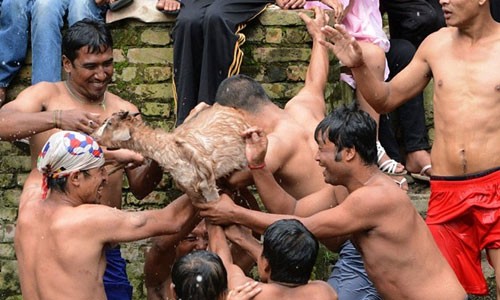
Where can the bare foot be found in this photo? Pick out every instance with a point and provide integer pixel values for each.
(417, 160)
(168, 5)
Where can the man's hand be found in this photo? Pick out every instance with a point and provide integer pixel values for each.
(76, 120)
(124, 158)
(337, 8)
(218, 212)
(343, 45)
(314, 25)
(290, 4)
(244, 292)
(256, 146)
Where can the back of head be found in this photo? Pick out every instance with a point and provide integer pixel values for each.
(291, 250)
(86, 33)
(242, 92)
(350, 127)
(199, 275)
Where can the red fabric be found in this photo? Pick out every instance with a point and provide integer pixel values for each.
(463, 217)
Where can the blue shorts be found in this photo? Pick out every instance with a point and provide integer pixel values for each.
(349, 277)
(116, 284)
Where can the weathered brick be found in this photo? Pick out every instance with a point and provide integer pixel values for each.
(7, 251)
(274, 35)
(269, 55)
(128, 74)
(154, 91)
(157, 73)
(150, 55)
(156, 109)
(7, 180)
(156, 37)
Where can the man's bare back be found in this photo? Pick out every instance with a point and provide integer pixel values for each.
(61, 255)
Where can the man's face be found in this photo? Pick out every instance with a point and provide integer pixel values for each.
(196, 240)
(90, 73)
(327, 151)
(93, 182)
(458, 12)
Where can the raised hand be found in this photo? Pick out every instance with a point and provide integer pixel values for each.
(76, 120)
(256, 146)
(343, 45)
(314, 25)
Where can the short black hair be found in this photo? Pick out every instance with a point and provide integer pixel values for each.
(86, 33)
(291, 250)
(350, 127)
(199, 275)
(241, 92)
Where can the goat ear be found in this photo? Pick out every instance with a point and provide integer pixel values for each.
(135, 114)
(122, 134)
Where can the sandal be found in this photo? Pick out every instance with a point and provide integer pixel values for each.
(389, 166)
(423, 174)
(403, 184)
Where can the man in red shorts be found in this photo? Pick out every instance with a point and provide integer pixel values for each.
(462, 59)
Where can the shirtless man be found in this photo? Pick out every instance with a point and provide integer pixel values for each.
(462, 60)
(291, 141)
(60, 240)
(81, 103)
(396, 245)
(285, 261)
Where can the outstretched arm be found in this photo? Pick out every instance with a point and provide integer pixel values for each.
(274, 197)
(382, 96)
(309, 103)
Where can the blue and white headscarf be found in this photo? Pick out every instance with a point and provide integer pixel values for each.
(66, 152)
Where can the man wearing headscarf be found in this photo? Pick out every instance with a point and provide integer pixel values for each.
(60, 239)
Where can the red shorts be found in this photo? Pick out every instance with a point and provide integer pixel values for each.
(463, 216)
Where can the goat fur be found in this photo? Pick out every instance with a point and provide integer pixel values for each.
(203, 149)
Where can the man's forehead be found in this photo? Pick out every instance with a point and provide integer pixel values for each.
(87, 52)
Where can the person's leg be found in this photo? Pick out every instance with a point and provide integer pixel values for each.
(79, 10)
(349, 278)
(222, 56)
(494, 256)
(116, 284)
(46, 24)
(14, 28)
(374, 57)
(188, 48)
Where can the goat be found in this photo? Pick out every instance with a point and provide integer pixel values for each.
(204, 148)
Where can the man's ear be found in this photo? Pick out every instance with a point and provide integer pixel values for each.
(350, 153)
(74, 178)
(67, 65)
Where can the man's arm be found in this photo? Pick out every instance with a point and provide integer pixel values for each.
(114, 226)
(274, 197)
(244, 238)
(382, 96)
(218, 244)
(309, 103)
(26, 115)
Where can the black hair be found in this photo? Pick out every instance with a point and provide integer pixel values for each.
(86, 33)
(242, 92)
(59, 184)
(291, 250)
(350, 127)
(199, 275)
